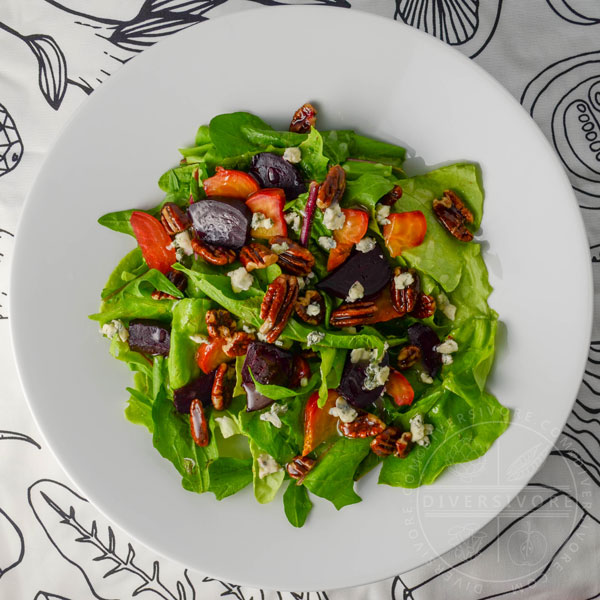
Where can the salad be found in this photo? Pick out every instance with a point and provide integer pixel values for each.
(298, 311)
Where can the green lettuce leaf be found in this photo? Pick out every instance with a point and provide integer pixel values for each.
(188, 319)
(333, 476)
(227, 476)
(172, 438)
(296, 504)
(132, 265)
(266, 488)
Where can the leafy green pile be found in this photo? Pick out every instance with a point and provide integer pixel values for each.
(466, 419)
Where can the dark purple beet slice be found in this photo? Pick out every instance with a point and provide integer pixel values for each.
(200, 388)
(270, 365)
(221, 221)
(272, 171)
(353, 379)
(150, 337)
(426, 339)
(371, 269)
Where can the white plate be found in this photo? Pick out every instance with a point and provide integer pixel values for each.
(368, 73)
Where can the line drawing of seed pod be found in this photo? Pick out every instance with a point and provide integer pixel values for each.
(11, 145)
(456, 22)
(564, 100)
(578, 12)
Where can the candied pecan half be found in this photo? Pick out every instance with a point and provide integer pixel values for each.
(277, 306)
(425, 306)
(384, 444)
(296, 260)
(237, 344)
(174, 220)
(223, 384)
(219, 323)
(365, 425)
(332, 189)
(304, 118)
(256, 256)
(199, 424)
(306, 307)
(351, 315)
(404, 297)
(213, 254)
(453, 214)
(392, 197)
(299, 467)
(408, 357)
(403, 445)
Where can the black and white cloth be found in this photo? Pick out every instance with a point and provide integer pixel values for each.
(53, 544)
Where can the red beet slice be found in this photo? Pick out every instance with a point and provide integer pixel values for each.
(370, 269)
(270, 365)
(272, 171)
(426, 339)
(199, 388)
(150, 337)
(222, 222)
(353, 379)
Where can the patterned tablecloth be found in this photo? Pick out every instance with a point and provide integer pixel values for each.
(546, 544)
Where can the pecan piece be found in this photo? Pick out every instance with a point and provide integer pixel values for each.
(304, 118)
(392, 197)
(158, 295)
(219, 323)
(408, 357)
(311, 307)
(403, 445)
(425, 306)
(453, 214)
(299, 467)
(351, 315)
(296, 259)
(174, 220)
(365, 425)
(223, 384)
(237, 344)
(257, 256)
(332, 189)
(404, 290)
(214, 255)
(199, 424)
(277, 306)
(384, 444)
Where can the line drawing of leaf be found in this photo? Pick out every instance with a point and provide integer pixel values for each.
(53, 504)
(11, 144)
(53, 68)
(12, 549)
(15, 435)
(41, 595)
(232, 590)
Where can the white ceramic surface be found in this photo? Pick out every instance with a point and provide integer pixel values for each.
(368, 73)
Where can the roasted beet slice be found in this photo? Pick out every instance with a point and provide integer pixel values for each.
(272, 171)
(221, 222)
(354, 376)
(370, 269)
(150, 337)
(270, 365)
(426, 339)
(199, 388)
